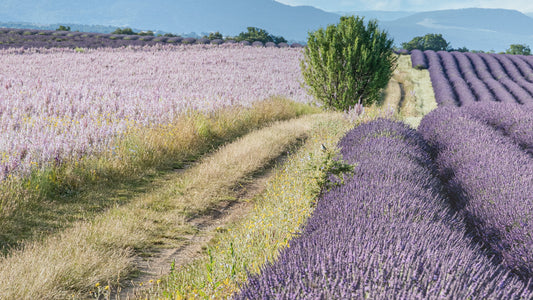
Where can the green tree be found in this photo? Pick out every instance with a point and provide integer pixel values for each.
(126, 30)
(63, 28)
(519, 49)
(347, 63)
(214, 36)
(429, 41)
(146, 33)
(257, 34)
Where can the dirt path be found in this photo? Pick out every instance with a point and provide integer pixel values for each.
(158, 265)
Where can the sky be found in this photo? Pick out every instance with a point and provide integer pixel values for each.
(411, 5)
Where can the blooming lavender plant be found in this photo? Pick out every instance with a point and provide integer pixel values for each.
(418, 59)
(490, 179)
(463, 78)
(514, 120)
(386, 234)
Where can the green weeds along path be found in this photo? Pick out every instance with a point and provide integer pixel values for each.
(104, 249)
(276, 217)
(99, 245)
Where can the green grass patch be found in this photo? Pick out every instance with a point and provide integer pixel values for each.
(278, 214)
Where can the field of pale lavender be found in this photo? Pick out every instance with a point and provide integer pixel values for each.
(60, 103)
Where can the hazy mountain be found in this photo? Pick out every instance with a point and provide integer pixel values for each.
(230, 17)
(378, 14)
(474, 28)
(479, 29)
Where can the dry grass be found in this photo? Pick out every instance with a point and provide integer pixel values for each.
(102, 250)
(278, 214)
(419, 98)
(51, 199)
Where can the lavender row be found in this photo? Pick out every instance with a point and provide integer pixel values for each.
(385, 234)
(418, 60)
(478, 86)
(21, 38)
(471, 77)
(462, 89)
(483, 72)
(490, 180)
(518, 76)
(444, 93)
(514, 120)
(520, 92)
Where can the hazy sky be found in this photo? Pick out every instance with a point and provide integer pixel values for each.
(411, 5)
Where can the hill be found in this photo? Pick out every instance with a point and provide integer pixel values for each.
(227, 16)
(475, 28)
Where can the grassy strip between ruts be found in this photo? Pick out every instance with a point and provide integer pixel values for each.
(277, 216)
(58, 195)
(103, 249)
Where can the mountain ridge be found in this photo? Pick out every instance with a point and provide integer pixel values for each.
(474, 28)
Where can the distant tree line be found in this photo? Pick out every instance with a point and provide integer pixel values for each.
(436, 42)
(252, 34)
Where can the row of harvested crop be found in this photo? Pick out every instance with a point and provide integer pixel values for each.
(387, 233)
(462, 78)
(12, 38)
(488, 175)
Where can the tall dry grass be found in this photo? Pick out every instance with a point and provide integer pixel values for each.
(102, 250)
(50, 199)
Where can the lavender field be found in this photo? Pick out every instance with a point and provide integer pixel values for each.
(59, 103)
(444, 211)
(462, 78)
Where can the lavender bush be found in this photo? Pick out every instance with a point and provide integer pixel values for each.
(418, 59)
(386, 234)
(490, 179)
(463, 78)
(514, 120)
(444, 93)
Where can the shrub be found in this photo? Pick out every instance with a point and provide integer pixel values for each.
(348, 62)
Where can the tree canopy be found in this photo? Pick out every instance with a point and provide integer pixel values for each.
(520, 49)
(257, 34)
(348, 63)
(430, 41)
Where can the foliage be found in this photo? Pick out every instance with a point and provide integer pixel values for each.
(214, 36)
(126, 30)
(146, 33)
(429, 41)
(518, 49)
(257, 34)
(63, 28)
(348, 62)
(461, 49)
